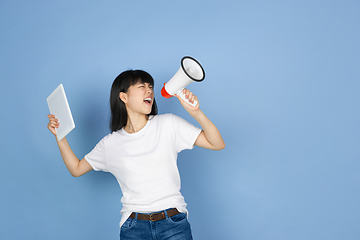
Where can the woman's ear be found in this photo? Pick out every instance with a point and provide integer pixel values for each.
(123, 97)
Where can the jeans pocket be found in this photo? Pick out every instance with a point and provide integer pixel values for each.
(130, 222)
(178, 218)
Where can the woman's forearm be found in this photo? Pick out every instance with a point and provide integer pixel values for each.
(70, 159)
(210, 131)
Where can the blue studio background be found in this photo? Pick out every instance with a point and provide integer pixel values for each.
(282, 85)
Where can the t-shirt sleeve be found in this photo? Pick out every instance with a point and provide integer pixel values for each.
(185, 133)
(97, 158)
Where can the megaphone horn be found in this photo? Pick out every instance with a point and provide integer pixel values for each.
(190, 71)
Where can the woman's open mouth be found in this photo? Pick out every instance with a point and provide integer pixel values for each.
(148, 100)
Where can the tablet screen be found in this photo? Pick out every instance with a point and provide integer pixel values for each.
(59, 106)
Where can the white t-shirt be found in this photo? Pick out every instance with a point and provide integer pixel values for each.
(145, 163)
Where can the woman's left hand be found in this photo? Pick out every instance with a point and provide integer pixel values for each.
(191, 98)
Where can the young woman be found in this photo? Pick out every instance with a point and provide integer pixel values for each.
(141, 152)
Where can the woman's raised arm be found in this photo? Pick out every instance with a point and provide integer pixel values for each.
(210, 136)
(76, 167)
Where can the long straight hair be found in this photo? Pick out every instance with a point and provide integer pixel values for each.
(119, 116)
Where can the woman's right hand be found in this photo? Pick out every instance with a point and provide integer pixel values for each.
(53, 124)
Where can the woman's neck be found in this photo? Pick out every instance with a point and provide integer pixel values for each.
(135, 123)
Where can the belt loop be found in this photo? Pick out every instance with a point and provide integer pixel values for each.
(166, 214)
(136, 216)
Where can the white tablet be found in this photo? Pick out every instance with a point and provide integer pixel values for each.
(59, 106)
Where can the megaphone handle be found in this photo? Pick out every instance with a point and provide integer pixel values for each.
(182, 95)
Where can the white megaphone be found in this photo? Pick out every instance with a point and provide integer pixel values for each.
(190, 71)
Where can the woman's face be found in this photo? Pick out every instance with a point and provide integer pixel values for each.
(139, 98)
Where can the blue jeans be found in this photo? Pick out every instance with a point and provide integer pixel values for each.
(176, 227)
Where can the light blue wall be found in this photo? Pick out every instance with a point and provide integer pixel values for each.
(282, 85)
